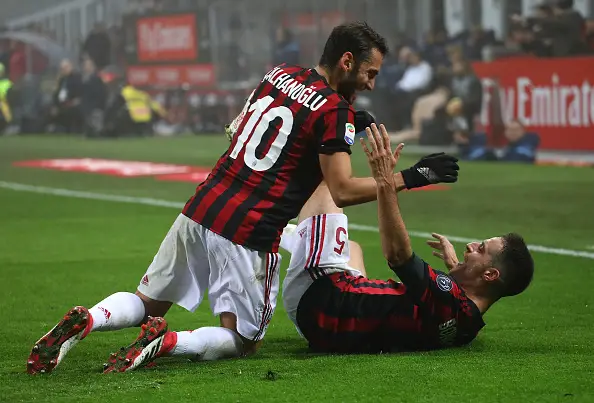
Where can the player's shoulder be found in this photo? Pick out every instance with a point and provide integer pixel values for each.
(444, 282)
(307, 87)
(335, 103)
(283, 70)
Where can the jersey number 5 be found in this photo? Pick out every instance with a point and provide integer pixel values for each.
(257, 132)
(340, 231)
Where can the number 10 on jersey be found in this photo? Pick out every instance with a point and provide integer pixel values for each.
(253, 132)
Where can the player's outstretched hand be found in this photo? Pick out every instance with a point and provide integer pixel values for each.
(431, 169)
(444, 250)
(379, 154)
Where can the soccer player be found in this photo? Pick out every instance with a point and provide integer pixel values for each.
(297, 128)
(338, 309)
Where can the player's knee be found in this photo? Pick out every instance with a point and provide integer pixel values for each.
(355, 247)
(250, 347)
(320, 202)
(356, 257)
(152, 307)
(356, 252)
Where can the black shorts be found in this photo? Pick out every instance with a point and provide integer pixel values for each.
(340, 313)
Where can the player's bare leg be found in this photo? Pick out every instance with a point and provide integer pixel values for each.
(118, 311)
(320, 202)
(152, 307)
(228, 321)
(356, 261)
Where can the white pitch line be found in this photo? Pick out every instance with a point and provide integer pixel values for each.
(164, 203)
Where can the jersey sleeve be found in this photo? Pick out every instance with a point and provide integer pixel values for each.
(335, 130)
(424, 283)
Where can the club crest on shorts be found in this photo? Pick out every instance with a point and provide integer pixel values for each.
(349, 134)
(444, 283)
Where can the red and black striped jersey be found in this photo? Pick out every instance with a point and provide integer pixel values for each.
(272, 166)
(427, 310)
(445, 315)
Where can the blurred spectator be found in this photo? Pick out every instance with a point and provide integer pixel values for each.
(286, 49)
(562, 27)
(467, 87)
(31, 115)
(435, 50)
(478, 39)
(411, 86)
(522, 146)
(98, 46)
(66, 111)
(94, 99)
(457, 122)
(476, 148)
(429, 122)
(533, 44)
(391, 72)
(418, 73)
(455, 54)
(131, 112)
(5, 104)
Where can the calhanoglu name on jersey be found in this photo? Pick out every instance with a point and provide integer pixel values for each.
(295, 90)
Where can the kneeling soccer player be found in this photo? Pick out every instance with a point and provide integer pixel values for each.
(337, 309)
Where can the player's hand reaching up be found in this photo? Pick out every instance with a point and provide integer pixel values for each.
(379, 154)
(444, 250)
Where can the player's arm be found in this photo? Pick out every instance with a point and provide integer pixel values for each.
(336, 130)
(345, 189)
(396, 245)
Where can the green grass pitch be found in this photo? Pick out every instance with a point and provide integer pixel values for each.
(57, 252)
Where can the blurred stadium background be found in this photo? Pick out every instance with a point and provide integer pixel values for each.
(198, 58)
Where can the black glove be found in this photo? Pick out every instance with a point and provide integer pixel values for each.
(363, 120)
(431, 169)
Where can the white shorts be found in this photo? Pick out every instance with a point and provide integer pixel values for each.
(192, 259)
(319, 246)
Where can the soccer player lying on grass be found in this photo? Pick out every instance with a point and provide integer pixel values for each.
(338, 309)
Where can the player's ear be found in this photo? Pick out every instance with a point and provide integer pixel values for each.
(491, 274)
(347, 62)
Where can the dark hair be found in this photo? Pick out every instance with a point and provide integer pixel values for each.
(515, 264)
(355, 37)
(441, 79)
